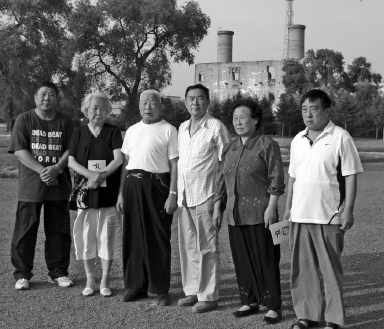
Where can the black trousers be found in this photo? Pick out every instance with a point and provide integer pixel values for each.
(57, 238)
(146, 235)
(256, 261)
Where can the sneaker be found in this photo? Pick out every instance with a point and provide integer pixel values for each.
(63, 281)
(163, 299)
(22, 284)
(188, 301)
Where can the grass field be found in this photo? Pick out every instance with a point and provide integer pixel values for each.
(48, 306)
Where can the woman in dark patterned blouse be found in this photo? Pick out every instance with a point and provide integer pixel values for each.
(249, 186)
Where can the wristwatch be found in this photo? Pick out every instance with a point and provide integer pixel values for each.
(173, 192)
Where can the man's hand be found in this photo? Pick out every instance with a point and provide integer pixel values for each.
(49, 174)
(120, 204)
(171, 204)
(287, 214)
(55, 182)
(270, 216)
(346, 219)
(217, 217)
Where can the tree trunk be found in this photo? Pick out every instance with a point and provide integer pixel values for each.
(289, 131)
(383, 133)
(345, 125)
(282, 130)
(377, 132)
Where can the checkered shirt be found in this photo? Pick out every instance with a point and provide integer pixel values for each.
(199, 159)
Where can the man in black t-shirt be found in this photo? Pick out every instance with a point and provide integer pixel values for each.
(40, 141)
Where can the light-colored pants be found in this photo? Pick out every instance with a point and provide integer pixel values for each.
(315, 246)
(199, 252)
(97, 230)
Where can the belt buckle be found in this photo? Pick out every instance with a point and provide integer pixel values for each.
(139, 175)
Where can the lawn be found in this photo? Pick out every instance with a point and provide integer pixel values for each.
(46, 305)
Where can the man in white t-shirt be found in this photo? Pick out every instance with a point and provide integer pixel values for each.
(148, 199)
(322, 183)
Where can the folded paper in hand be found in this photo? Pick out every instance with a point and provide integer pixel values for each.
(280, 231)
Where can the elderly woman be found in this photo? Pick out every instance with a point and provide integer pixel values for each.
(94, 154)
(249, 186)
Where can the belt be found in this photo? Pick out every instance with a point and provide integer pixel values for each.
(145, 175)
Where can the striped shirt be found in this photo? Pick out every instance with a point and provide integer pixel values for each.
(199, 159)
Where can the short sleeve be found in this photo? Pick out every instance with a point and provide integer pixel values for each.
(117, 140)
(222, 137)
(124, 148)
(68, 132)
(74, 142)
(20, 136)
(350, 160)
(292, 163)
(173, 151)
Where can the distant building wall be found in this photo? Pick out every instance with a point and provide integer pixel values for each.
(257, 77)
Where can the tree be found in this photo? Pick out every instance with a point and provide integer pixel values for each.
(31, 44)
(324, 67)
(133, 42)
(268, 126)
(294, 78)
(345, 108)
(376, 114)
(360, 71)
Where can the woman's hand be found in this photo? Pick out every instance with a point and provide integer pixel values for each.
(95, 178)
(120, 204)
(217, 217)
(270, 216)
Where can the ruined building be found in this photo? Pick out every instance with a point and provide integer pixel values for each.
(263, 78)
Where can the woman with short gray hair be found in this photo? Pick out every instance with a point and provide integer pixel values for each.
(95, 156)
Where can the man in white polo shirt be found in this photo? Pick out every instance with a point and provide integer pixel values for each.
(148, 198)
(322, 186)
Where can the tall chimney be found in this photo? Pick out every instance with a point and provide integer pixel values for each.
(224, 46)
(296, 37)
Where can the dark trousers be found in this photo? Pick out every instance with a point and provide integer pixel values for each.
(57, 238)
(146, 235)
(256, 261)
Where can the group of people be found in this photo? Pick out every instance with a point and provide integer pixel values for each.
(205, 175)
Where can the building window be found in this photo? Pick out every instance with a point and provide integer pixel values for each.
(234, 73)
(201, 77)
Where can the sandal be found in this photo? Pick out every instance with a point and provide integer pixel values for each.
(332, 325)
(303, 326)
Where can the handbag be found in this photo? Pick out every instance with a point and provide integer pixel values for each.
(78, 197)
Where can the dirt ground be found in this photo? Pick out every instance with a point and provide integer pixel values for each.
(48, 306)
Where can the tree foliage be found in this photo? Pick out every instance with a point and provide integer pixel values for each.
(133, 42)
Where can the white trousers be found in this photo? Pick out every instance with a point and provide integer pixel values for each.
(199, 252)
(97, 230)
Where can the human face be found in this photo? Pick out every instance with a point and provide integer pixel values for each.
(244, 124)
(45, 99)
(150, 108)
(97, 112)
(314, 116)
(197, 103)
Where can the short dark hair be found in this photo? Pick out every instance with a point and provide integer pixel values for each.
(198, 86)
(254, 108)
(315, 94)
(48, 84)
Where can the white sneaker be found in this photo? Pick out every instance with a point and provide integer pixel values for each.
(63, 281)
(22, 284)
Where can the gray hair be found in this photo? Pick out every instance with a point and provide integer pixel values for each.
(88, 100)
(151, 91)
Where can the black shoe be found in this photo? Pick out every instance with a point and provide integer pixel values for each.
(270, 320)
(163, 299)
(134, 294)
(252, 310)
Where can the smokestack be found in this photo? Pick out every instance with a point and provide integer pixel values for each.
(296, 37)
(224, 46)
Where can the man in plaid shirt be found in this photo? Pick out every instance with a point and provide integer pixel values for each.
(201, 142)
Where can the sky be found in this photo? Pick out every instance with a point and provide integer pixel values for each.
(352, 27)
